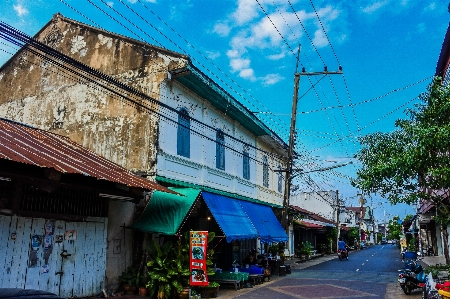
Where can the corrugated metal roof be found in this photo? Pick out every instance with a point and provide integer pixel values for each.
(21, 143)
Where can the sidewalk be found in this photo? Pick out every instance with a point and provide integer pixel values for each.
(433, 260)
(393, 290)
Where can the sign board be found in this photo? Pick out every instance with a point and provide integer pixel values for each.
(198, 242)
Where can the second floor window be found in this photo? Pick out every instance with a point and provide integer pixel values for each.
(220, 150)
(265, 172)
(246, 164)
(184, 134)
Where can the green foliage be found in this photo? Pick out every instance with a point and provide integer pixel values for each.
(394, 228)
(130, 277)
(323, 247)
(306, 248)
(213, 284)
(412, 244)
(404, 164)
(274, 248)
(168, 268)
(352, 234)
(435, 269)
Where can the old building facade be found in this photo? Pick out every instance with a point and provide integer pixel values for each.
(145, 108)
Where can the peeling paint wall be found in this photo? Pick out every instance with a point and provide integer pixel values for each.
(38, 93)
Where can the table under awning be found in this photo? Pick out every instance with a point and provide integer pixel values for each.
(230, 216)
(165, 212)
(266, 223)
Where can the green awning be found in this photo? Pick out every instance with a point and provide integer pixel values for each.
(165, 212)
(173, 182)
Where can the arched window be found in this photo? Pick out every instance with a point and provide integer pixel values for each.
(265, 172)
(220, 150)
(246, 164)
(184, 134)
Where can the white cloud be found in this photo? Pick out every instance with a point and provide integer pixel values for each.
(21, 11)
(374, 7)
(213, 54)
(271, 79)
(246, 11)
(430, 7)
(222, 29)
(134, 1)
(277, 56)
(247, 73)
(232, 54)
(320, 39)
(256, 31)
(239, 64)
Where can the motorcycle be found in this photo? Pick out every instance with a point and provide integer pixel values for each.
(342, 254)
(412, 277)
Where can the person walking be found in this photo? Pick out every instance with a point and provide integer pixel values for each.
(355, 244)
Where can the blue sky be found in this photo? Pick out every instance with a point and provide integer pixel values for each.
(388, 51)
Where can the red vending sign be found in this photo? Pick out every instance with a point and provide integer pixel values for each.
(197, 260)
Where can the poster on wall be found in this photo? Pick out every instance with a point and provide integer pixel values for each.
(197, 258)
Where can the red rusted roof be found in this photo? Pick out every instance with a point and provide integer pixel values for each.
(301, 210)
(21, 143)
(312, 215)
(309, 225)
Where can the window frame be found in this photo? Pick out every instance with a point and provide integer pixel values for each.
(184, 133)
(220, 150)
(246, 164)
(265, 171)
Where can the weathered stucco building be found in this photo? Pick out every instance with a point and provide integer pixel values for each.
(144, 107)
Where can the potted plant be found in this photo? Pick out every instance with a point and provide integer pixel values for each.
(166, 272)
(130, 280)
(306, 249)
(210, 291)
(323, 248)
(168, 267)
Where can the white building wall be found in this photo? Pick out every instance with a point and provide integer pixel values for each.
(200, 167)
(321, 203)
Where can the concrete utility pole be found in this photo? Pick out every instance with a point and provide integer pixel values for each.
(338, 226)
(290, 162)
(362, 201)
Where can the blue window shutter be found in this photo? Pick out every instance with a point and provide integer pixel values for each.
(246, 165)
(184, 134)
(220, 150)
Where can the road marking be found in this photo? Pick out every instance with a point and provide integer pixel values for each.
(362, 264)
(357, 270)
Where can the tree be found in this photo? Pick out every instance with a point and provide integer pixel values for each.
(353, 234)
(394, 229)
(413, 162)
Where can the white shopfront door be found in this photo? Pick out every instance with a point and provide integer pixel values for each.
(65, 258)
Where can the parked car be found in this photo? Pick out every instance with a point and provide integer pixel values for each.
(14, 293)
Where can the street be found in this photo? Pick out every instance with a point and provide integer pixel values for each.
(369, 273)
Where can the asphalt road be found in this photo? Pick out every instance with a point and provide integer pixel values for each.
(368, 273)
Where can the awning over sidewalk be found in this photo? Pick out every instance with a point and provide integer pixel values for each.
(268, 227)
(230, 216)
(165, 212)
